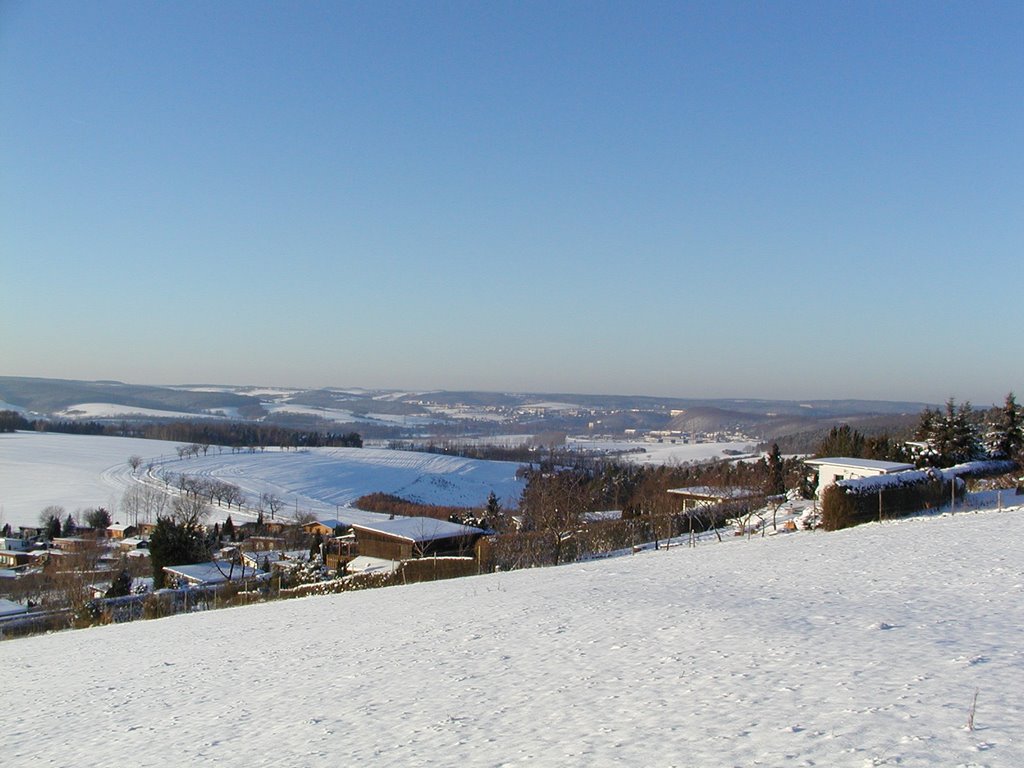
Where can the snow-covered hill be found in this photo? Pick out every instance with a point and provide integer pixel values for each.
(857, 648)
(80, 471)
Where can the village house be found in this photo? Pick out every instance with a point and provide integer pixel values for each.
(73, 543)
(14, 558)
(119, 531)
(832, 470)
(264, 543)
(209, 573)
(274, 560)
(325, 527)
(403, 538)
(133, 544)
(15, 544)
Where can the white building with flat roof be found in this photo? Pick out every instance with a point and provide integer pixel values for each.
(834, 469)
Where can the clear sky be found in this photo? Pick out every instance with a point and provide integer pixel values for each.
(721, 199)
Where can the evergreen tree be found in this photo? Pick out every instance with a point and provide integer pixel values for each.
(1005, 437)
(98, 519)
(493, 509)
(229, 529)
(775, 482)
(121, 585)
(69, 526)
(841, 440)
(53, 528)
(175, 543)
(952, 435)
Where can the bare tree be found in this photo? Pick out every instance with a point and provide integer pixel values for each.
(553, 505)
(143, 503)
(135, 461)
(52, 512)
(67, 578)
(271, 503)
(189, 510)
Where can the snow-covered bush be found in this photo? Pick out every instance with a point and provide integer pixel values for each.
(861, 500)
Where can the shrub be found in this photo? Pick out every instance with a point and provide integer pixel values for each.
(852, 502)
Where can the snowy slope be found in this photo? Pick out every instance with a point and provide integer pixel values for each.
(857, 648)
(79, 471)
(322, 479)
(40, 469)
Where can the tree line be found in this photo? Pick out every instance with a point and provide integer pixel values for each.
(943, 437)
(229, 433)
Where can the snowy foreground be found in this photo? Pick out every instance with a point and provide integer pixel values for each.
(857, 648)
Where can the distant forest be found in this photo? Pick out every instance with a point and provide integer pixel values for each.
(229, 433)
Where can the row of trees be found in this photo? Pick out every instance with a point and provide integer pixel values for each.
(203, 433)
(958, 433)
(843, 440)
(56, 522)
(209, 488)
(945, 436)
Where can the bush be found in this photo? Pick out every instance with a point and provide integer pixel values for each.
(852, 502)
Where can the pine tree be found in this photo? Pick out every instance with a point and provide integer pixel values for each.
(1005, 437)
(951, 435)
(775, 484)
(842, 440)
(228, 530)
(175, 543)
(98, 519)
(121, 585)
(493, 508)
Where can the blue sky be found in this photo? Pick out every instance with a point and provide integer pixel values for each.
(793, 200)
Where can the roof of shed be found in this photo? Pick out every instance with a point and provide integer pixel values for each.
(418, 529)
(881, 467)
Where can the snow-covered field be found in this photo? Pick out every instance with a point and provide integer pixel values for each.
(87, 411)
(78, 472)
(81, 471)
(73, 471)
(664, 453)
(858, 648)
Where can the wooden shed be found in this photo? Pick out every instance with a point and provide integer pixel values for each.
(403, 538)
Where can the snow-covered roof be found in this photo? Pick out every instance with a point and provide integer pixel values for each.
(119, 527)
(880, 467)
(707, 492)
(213, 572)
(364, 564)
(329, 523)
(912, 476)
(10, 608)
(418, 529)
(274, 556)
(597, 517)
